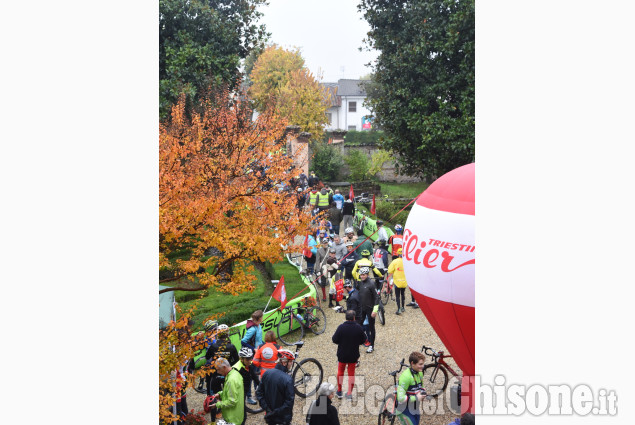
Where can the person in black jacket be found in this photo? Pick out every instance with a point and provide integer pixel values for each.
(348, 337)
(275, 392)
(322, 411)
(352, 301)
(370, 304)
(348, 262)
(223, 347)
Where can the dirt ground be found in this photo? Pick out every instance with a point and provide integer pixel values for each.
(394, 341)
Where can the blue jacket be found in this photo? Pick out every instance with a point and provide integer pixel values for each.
(253, 336)
(276, 395)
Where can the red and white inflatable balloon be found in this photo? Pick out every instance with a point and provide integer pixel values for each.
(439, 262)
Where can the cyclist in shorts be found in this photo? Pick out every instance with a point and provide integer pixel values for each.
(410, 391)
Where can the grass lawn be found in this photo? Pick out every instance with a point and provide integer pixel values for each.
(403, 190)
(238, 308)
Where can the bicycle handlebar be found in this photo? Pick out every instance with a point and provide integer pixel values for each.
(429, 351)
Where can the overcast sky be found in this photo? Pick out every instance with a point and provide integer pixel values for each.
(328, 33)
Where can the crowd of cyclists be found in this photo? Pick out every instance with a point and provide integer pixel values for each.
(262, 365)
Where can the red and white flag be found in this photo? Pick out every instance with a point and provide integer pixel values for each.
(372, 206)
(351, 194)
(280, 293)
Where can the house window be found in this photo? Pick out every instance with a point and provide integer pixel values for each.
(329, 117)
(352, 106)
(352, 127)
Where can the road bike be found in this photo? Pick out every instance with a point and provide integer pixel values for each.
(386, 294)
(388, 408)
(296, 319)
(435, 374)
(306, 375)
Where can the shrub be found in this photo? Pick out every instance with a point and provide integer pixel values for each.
(385, 210)
(326, 162)
(358, 165)
(362, 138)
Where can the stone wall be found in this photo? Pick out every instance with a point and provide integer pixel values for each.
(387, 174)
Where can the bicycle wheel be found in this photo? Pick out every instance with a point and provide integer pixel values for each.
(252, 408)
(307, 377)
(290, 330)
(380, 315)
(317, 320)
(384, 295)
(435, 379)
(387, 411)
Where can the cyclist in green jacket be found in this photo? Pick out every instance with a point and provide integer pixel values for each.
(410, 391)
(232, 397)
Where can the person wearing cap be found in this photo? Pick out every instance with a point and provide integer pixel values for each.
(382, 235)
(349, 260)
(300, 199)
(369, 299)
(322, 411)
(348, 337)
(221, 348)
(276, 393)
(397, 274)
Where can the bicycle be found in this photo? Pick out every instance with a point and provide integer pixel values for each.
(386, 294)
(388, 409)
(303, 316)
(434, 383)
(381, 312)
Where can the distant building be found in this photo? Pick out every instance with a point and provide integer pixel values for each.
(347, 111)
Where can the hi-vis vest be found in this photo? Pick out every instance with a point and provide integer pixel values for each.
(312, 198)
(323, 200)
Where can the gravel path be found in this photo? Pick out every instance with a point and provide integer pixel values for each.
(396, 340)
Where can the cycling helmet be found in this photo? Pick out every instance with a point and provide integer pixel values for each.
(365, 253)
(210, 325)
(246, 352)
(299, 189)
(349, 243)
(380, 222)
(222, 328)
(349, 230)
(381, 242)
(399, 251)
(348, 283)
(286, 353)
(332, 250)
(398, 228)
(363, 270)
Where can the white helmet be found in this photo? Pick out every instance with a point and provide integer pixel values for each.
(349, 230)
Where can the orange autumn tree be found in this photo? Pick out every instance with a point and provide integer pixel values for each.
(217, 192)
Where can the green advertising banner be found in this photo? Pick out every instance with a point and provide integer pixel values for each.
(370, 227)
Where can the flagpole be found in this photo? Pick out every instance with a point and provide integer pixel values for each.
(276, 282)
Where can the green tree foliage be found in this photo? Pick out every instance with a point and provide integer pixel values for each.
(363, 138)
(327, 161)
(422, 88)
(357, 164)
(377, 161)
(201, 43)
(281, 82)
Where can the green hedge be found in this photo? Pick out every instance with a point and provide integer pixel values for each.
(362, 138)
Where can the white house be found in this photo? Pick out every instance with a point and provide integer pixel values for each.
(347, 111)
